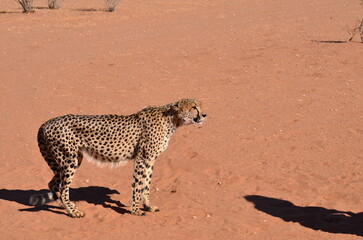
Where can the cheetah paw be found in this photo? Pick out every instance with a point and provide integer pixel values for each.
(77, 214)
(138, 213)
(152, 208)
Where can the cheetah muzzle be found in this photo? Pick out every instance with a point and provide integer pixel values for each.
(111, 139)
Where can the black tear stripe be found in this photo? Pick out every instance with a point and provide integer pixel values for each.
(198, 112)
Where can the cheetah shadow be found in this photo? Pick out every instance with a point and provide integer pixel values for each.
(317, 218)
(92, 194)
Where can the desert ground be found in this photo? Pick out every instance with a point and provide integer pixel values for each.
(279, 156)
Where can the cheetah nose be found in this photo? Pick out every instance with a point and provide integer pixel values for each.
(204, 115)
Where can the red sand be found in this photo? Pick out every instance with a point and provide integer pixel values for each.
(284, 101)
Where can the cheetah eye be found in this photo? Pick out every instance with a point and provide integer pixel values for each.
(195, 109)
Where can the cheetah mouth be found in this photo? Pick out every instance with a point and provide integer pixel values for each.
(199, 119)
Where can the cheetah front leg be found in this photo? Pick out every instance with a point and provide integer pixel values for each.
(146, 190)
(137, 186)
(141, 186)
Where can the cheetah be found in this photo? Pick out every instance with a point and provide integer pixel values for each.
(111, 139)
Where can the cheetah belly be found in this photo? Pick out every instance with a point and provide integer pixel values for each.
(101, 161)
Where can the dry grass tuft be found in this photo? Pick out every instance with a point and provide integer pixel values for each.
(27, 5)
(111, 5)
(54, 4)
(358, 29)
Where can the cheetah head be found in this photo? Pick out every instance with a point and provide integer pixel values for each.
(188, 111)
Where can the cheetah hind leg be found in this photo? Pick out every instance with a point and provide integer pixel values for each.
(54, 186)
(53, 195)
(71, 207)
(41, 199)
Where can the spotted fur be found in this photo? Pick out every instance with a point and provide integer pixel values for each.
(111, 139)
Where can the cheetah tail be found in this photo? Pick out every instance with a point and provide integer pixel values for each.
(41, 199)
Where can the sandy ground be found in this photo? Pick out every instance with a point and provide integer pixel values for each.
(280, 156)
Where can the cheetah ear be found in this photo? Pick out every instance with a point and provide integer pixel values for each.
(176, 107)
(173, 110)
